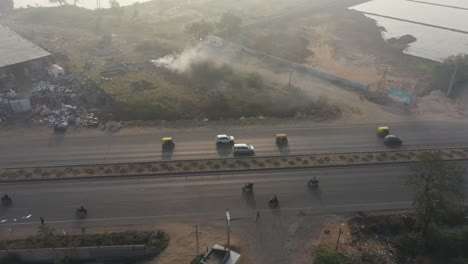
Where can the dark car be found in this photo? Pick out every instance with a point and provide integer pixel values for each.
(392, 140)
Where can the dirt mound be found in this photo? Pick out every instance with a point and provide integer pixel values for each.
(437, 103)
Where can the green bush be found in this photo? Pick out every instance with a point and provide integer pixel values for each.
(326, 255)
(145, 109)
(371, 257)
(157, 243)
(409, 245)
(221, 94)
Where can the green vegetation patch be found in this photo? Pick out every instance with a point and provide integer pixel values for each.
(220, 93)
(47, 237)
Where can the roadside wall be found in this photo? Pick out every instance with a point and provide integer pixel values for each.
(108, 253)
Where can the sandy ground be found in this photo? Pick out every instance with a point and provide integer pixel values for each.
(273, 239)
(277, 237)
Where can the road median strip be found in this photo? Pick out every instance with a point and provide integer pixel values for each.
(223, 165)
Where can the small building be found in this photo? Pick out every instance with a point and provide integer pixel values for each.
(55, 71)
(19, 60)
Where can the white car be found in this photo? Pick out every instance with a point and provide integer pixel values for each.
(224, 139)
(243, 149)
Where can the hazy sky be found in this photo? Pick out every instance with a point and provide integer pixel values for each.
(83, 3)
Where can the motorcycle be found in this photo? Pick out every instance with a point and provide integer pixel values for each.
(313, 183)
(273, 202)
(81, 212)
(248, 187)
(6, 200)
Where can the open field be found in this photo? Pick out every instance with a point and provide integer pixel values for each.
(333, 39)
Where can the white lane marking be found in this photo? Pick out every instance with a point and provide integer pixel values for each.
(27, 217)
(202, 214)
(339, 206)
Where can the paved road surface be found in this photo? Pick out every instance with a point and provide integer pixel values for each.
(150, 200)
(85, 147)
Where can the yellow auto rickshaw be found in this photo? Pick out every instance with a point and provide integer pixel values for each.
(383, 131)
(281, 139)
(168, 143)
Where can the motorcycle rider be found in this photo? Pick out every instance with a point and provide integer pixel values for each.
(5, 198)
(274, 199)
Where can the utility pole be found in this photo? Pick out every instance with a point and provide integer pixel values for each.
(228, 228)
(196, 237)
(383, 79)
(340, 232)
(452, 80)
(290, 76)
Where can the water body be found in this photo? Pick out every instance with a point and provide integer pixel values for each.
(90, 4)
(440, 26)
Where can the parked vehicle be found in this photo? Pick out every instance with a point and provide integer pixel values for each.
(60, 127)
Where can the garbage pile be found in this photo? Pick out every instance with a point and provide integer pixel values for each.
(72, 89)
(111, 127)
(64, 116)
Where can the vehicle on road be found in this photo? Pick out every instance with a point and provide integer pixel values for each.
(81, 211)
(240, 149)
(6, 200)
(248, 187)
(392, 140)
(274, 202)
(224, 139)
(168, 143)
(281, 140)
(313, 182)
(383, 131)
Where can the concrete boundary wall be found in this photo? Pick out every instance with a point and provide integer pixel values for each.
(107, 253)
(224, 165)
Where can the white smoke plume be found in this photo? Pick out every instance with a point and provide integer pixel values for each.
(181, 62)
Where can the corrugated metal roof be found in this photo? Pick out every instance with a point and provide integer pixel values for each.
(15, 49)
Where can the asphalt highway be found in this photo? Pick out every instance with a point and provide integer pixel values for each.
(84, 147)
(201, 198)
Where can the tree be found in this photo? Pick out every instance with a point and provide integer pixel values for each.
(6, 5)
(439, 188)
(75, 1)
(200, 29)
(114, 4)
(230, 24)
(46, 236)
(442, 74)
